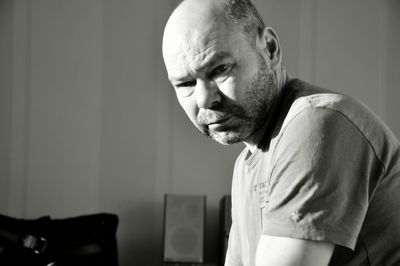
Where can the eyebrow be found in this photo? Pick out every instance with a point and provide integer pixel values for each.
(214, 59)
(210, 62)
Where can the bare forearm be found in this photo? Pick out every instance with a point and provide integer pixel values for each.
(285, 251)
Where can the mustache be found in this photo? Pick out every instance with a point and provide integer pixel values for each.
(208, 116)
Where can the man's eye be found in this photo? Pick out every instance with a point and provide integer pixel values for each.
(221, 70)
(185, 89)
(186, 84)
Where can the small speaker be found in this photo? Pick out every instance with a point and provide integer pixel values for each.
(226, 222)
(184, 220)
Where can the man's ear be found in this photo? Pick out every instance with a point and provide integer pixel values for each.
(269, 44)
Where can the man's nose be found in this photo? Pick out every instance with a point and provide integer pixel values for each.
(207, 94)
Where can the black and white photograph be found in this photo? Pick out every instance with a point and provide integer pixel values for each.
(199, 133)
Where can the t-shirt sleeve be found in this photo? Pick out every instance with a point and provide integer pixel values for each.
(319, 185)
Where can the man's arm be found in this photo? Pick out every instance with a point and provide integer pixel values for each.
(285, 251)
(232, 257)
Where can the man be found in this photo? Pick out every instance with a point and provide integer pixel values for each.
(319, 180)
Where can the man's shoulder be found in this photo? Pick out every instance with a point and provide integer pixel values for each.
(322, 108)
(316, 99)
(307, 95)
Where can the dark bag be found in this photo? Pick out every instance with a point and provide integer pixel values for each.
(79, 241)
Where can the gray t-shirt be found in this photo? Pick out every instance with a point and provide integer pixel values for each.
(327, 169)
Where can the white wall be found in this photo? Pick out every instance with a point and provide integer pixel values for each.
(63, 145)
(128, 126)
(89, 122)
(6, 85)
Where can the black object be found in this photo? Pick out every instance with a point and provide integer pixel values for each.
(184, 220)
(190, 264)
(88, 240)
(225, 225)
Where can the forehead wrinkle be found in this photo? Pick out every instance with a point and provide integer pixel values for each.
(203, 42)
(199, 60)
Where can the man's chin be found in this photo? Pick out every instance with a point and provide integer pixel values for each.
(227, 138)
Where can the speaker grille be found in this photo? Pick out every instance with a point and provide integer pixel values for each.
(184, 228)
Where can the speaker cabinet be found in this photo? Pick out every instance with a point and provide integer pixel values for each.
(184, 220)
(225, 227)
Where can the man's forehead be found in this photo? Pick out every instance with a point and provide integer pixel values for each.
(199, 42)
(183, 67)
(185, 43)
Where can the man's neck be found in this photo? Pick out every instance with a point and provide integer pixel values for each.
(283, 79)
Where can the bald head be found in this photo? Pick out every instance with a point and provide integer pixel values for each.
(192, 16)
(240, 13)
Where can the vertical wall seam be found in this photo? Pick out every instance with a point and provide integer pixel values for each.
(383, 47)
(28, 106)
(313, 40)
(164, 127)
(20, 109)
(97, 197)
